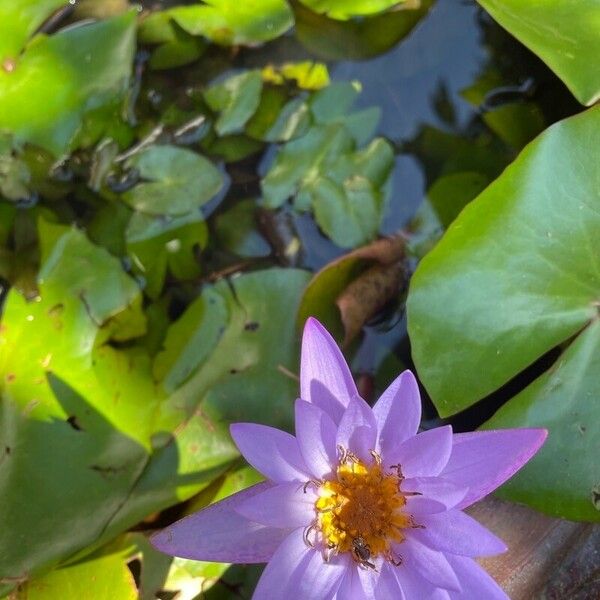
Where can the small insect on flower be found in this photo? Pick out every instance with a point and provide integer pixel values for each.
(358, 505)
(362, 552)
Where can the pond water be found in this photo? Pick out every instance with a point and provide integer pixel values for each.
(418, 84)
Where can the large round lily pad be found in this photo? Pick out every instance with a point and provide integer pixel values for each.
(516, 275)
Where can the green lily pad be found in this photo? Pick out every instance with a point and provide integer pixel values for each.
(277, 118)
(235, 99)
(176, 181)
(19, 21)
(345, 9)
(516, 275)
(357, 39)
(307, 75)
(59, 80)
(562, 478)
(227, 22)
(77, 414)
(103, 578)
(324, 171)
(161, 244)
(563, 38)
(256, 354)
(191, 340)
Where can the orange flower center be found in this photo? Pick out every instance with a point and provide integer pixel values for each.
(360, 510)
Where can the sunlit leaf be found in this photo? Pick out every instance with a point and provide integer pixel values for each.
(102, 578)
(344, 9)
(229, 22)
(19, 21)
(76, 413)
(307, 75)
(60, 79)
(517, 274)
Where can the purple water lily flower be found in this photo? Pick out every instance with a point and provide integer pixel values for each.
(358, 505)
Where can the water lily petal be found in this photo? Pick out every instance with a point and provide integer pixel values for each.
(454, 531)
(272, 452)
(414, 586)
(351, 587)
(430, 564)
(357, 430)
(483, 460)
(439, 489)
(218, 533)
(387, 586)
(283, 505)
(316, 433)
(285, 568)
(424, 455)
(474, 581)
(397, 412)
(322, 361)
(296, 571)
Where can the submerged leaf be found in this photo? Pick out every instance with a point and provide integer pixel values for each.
(177, 181)
(335, 294)
(324, 171)
(235, 99)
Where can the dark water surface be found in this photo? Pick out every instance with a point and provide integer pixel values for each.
(418, 86)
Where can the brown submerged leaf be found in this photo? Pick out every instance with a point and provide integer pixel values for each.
(350, 290)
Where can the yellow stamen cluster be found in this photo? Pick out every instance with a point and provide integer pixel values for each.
(362, 502)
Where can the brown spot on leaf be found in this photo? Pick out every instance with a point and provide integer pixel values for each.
(9, 65)
(10, 377)
(251, 326)
(74, 423)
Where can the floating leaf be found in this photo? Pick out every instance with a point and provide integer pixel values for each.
(103, 578)
(76, 413)
(176, 181)
(19, 21)
(516, 275)
(278, 119)
(307, 75)
(323, 170)
(563, 38)
(445, 199)
(157, 244)
(228, 22)
(345, 9)
(60, 79)
(357, 39)
(191, 339)
(235, 99)
(247, 375)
